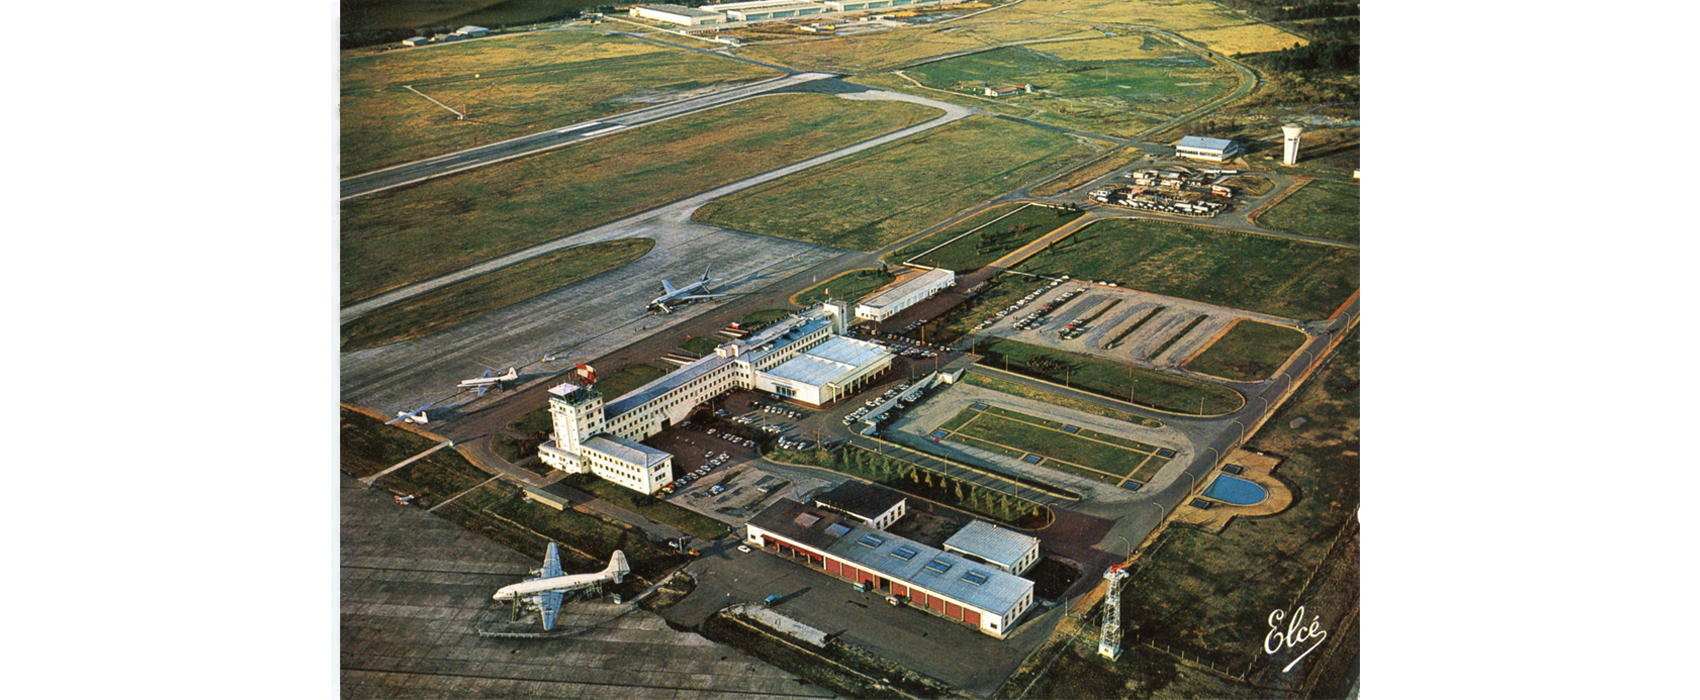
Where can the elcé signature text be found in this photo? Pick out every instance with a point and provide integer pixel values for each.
(1296, 633)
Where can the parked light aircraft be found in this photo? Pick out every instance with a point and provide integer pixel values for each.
(414, 416)
(679, 295)
(544, 593)
(483, 384)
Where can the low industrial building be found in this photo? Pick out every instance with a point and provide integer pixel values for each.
(944, 583)
(876, 506)
(677, 14)
(1204, 148)
(415, 41)
(805, 357)
(765, 9)
(1006, 549)
(888, 303)
(471, 31)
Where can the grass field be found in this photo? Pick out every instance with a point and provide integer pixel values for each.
(1123, 382)
(1001, 230)
(1114, 97)
(1216, 266)
(691, 522)
(1201, 21)
(1249, 352)
(1087, 173)
(1050, 397)
(1321, 208)
(762, 318)
(442, 308)
(364, 70)
(418, 232)
(851, 286)
(875, 198)
(389, 125)
(369, 446)
(1024, 434)
(623, 382)
(885, 50)
(700, 346)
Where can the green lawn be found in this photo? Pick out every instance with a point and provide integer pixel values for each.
(1134, 445)
(418, 232)
(1249, 352)
(1237, 270)
(763, 318)
(691, 522)
(507, 87)
(1007, 387)
(1124, 382)
(626, 380)
(1322, 208)
(996, 232)
(463, 301)
(534, 421)
(1051, 443)
(851, 286)
(875, 198)
(701, 346)
(369, 446)
(1087, 173)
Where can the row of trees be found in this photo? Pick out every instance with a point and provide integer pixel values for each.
(907, 476)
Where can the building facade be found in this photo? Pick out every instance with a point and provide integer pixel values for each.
(1202, 148)
(888, 303)
(676, 14)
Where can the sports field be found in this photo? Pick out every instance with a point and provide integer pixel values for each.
(1118, 97)
(1108, 458)
(1284, 278)
(415, 233)
(1248, 352)
(441, 308)
(508, 87)
(1321, 208)
(875, 198)
(985, 237)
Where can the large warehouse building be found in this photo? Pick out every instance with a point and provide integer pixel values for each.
(805, 357)
(676, 14)
(946, 584)
(888, 303)
(1204, 148)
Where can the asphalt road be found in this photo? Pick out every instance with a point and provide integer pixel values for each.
(447, 164)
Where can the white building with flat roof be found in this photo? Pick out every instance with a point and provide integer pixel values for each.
(1204, 148)
(911, 292)
(1006, 549)
(766, 9)
(677, 14)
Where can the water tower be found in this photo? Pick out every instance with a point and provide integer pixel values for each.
(1290, 145)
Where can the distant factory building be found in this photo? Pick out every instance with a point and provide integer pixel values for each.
(472, 31)
(874, 505)
(1006, 549)
(912, 292)
(943, 583)
(675, 14)
(1011, 90)
(1204, 148)
(415, 41)
(805, 357)
(765, 9)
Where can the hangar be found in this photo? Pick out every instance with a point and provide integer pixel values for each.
(943, 583)
(1203, 148)
(676, 14)
(911, 292)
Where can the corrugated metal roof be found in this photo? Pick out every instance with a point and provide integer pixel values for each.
(992, 543)
(895, 294)
(621, 448)
(1204, 143)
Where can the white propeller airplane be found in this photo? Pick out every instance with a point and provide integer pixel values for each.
(544, 593)
(414, 416)
(680, 295)
(483, 384)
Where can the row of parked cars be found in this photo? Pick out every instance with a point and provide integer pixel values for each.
(993, 319)
(1038, 317)
(713, 463)
(731, 437)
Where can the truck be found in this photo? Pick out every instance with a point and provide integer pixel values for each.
(770, 600)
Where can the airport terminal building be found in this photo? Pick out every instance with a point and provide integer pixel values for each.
(943, 583)
(805, 357)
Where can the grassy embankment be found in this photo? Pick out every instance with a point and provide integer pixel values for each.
(996, 232)
(875, 198)
(1321, 208)
(507, 87)
(1248, 352)
(1008, 387)
(1123, 382)
(1088, 453)
(850, 286)
(422, 231)
(442, 308)
(1237, 270)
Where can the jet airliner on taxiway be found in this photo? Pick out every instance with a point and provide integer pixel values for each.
(678, 295)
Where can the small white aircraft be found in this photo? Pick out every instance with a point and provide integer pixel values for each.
(544, 593)
(679, 295)
(483, 384)
(414, 416)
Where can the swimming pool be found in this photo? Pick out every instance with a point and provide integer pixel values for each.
(1230, 489)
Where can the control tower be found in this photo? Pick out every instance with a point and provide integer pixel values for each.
(1290, 145)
